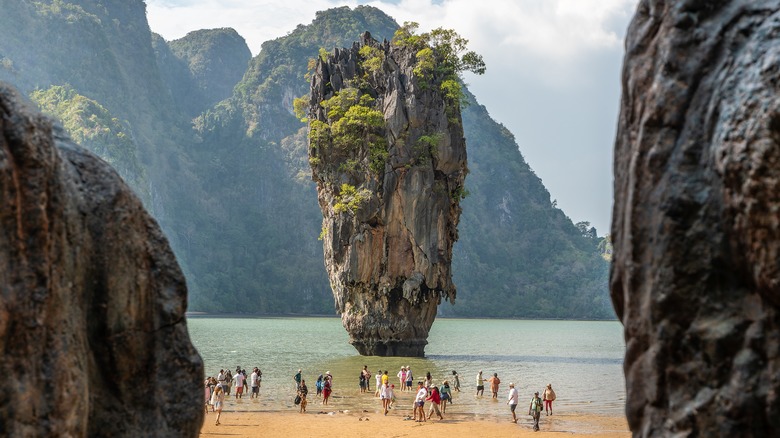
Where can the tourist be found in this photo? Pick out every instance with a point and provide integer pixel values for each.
(548, 397)
(419, 402)
(297, 379)
(391, 396)
(435, 399)
(535, 410)
(494, 381)
(254, 383)
(239, 378)
(228, 381)
(219, 401)
(259, 378)
(327, 388)
(367, 377)
(512, 401)
(385, 379)
(384, 396)
(207, 393)
(455, 381)
(378, 382)
(402, 377)
(409, 378)
(303, 391)
(221, 378)
(318, 385)
(362, 382)
(428, 380)
(329, 376)
(446, 395)
(480, 383)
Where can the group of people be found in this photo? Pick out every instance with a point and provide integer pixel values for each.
(535, 407)
(324, 386)
(217, 388)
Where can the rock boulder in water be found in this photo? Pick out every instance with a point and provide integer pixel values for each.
(389, 183)
(696, 225)
(92, 329)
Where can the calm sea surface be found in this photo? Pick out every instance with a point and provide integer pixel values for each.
(582, 360)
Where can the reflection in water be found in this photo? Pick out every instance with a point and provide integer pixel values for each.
(582, 359)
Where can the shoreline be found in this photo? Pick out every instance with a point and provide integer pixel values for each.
(318, 422)
(202, 314)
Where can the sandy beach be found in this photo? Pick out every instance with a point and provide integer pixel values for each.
(248, 419)
(395, 424)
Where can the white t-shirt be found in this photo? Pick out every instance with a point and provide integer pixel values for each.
(220, 377)
(383, 392)
(239, 380)
(512, 396)
(421, 394)
(253, 379)
(378, 380)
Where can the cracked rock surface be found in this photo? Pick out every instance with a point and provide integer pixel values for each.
(696, 223)
(92, 301)
(389, 260)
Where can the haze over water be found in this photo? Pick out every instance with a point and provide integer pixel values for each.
(581, 359)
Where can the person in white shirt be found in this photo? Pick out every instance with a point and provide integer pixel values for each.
(378, 383)
(512, 401)
(239, 378)
(253, 384)
(419, 402)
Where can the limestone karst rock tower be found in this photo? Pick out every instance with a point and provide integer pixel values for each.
(389, 158)
(696, 225)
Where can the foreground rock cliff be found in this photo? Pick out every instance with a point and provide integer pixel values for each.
(389, 158)
(92, 327)
(696, 231)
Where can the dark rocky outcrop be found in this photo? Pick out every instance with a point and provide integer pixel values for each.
(388, 243)
(92, 329)
(696, 231)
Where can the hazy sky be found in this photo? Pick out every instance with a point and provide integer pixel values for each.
(553, 72)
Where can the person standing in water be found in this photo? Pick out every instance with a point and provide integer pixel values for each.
(548, 396)
(535, 410)
(512, 401)
(494, 382)
(480, 383)
(219, 402)
(455, 381)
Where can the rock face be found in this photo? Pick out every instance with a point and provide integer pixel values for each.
(696, 225)
(92, 324)
(389, 158)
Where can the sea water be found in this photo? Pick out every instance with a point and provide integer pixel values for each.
(581, 359)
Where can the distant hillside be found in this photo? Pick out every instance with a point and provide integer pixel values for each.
(226, 172)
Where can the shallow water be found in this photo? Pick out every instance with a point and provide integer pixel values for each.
(581, 359)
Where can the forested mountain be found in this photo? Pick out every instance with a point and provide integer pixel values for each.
(215, 151)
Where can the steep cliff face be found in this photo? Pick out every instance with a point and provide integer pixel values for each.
(389, 158)
(92, 324)
(696, 231)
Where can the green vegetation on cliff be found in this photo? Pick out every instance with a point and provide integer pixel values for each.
(233, 190)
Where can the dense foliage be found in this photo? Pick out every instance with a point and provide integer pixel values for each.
(232, 188)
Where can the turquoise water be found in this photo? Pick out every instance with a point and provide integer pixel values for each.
(581, 359)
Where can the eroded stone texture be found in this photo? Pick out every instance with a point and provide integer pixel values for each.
(389, 261)
(696, 232)
(92, 329)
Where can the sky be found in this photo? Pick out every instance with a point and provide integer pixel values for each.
(552, 79)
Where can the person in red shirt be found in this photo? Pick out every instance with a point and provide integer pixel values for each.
(435, 400)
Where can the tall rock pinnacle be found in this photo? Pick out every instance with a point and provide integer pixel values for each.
(389, 158)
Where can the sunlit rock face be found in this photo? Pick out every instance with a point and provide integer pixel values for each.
(389, 254)
(92, 329)
(696, 225)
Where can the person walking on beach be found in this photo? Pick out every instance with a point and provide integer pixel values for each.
(327, 388)
(318, 385)
(384, 396)
(219, 401)
(402, 377)
(512, 401)
(409, 378)
(455, 381)
(419, 402)
(362, 382)
(494, 381)
(303, 391)
(548, 396)
(435, 399)
(535, 410)
(378, 382)
(446, 395)
(297, 379)
(367, 377)
(428, 380)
